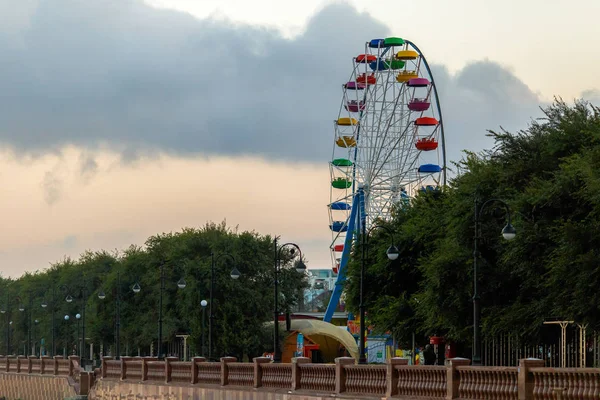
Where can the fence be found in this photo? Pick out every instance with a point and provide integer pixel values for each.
(44, 365)
(458, 380)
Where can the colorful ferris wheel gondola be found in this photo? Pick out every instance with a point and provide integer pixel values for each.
(388, 143)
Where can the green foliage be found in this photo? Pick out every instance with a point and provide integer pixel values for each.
(549, 175)
(240, 307)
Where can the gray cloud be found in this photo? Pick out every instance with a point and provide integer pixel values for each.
(119, 73)
(87, 166)
(52, 185)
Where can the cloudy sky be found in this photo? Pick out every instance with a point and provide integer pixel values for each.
(120, 119)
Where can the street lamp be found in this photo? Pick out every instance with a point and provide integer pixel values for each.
(509, 233)
(83, 298)
(136, 289)
(300, 268)
(22, 309)
(235, 274)
(203, 303)
(78, 317)
(392, 254)
(53, 306)
(101, 295)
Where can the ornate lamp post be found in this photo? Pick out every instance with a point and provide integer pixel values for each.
(203, 303)
(300, 268)
(509, 233)
(392, 254)
(235, 274)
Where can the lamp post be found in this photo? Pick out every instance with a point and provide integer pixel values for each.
(235, 274)
(22, 309)
(67, 337)
(33, 351)
(83, 299)
(301, 268)
(392, 254)
(181, 285)
(509, 233)
(101, 295)
(53, 306)
(6, 310)
(203, 303)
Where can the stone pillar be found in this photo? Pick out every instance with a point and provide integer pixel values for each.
(340, 374)
(104, 367)
(21, 363)
(144, 369)
(44, 361)
(30, 363)
(524, 380)
(392, 375)
(124, 360)
(72, 359)
(196, 360)
(453, 377)
(225, 370)
(56, 358)
(169, 368)
(296, 361)
(258, 370)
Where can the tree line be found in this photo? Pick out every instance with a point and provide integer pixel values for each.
(240, 306)
(549, 175)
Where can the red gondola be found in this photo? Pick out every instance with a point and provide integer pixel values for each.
(365, 58)
(426, 144)
(369, 80)
(426, 121)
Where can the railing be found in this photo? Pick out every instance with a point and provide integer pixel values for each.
(566, 384)
(458, 380)
(44, 365)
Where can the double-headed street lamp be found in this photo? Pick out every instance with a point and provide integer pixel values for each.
(300, 268)
(509, 233)
(83, 299)
(235, 274)
(53, 306)
(29, 312)
(6, 310)
(392, 254)
(101, 295)
(181, 285)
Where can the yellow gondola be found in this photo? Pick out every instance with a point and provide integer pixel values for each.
(347, 121)
(407, 55)
(405, 76)
(346, 141)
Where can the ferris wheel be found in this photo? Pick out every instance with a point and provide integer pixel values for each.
(388, 143)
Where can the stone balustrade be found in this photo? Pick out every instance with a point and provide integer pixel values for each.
(458, 380)
(45, 365)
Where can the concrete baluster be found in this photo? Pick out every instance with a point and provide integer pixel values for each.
(124, 360)
(296, 373)
(30, 363)
(144, 369)
(72, 360)
(44, 361)
(525, 381)
(56, 358)
(195, 368)
(392, 375)
(225, 370)
(104, 366)
(258, 370)
(20, 362)
(453, 376)
(340, 373)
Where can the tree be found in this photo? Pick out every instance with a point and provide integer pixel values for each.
(549, 175)
(241, 307)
